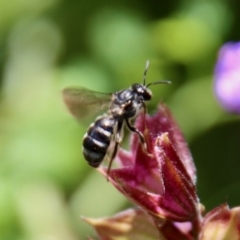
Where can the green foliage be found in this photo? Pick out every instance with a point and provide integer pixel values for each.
(45, 184)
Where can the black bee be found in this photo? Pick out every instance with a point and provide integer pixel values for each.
(108, 128)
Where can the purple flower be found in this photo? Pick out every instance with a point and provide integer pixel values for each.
(227, 77)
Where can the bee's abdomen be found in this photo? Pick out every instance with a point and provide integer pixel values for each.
(97, 140)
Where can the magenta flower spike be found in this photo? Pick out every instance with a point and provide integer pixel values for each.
(162, 184)
(227, 77)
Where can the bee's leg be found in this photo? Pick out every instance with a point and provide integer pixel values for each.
(140, 135)
(112, 157)
(117, 139)
(144, 108)
(144, 113)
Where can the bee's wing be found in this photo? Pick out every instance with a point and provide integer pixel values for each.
(81, 102)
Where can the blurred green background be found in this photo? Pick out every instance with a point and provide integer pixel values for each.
(45, 185)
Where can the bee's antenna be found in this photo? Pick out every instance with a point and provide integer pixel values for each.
(158, 82)
(153, 83)
(145, 72)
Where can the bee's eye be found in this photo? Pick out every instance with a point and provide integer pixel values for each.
(147, 96)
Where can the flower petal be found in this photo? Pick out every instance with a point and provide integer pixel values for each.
(144, 173)
(173, 231)
(168, 193)
(180, 192)
(221, 223)
(158, 124)
(166, 123)
(128, 225)
(164, 183)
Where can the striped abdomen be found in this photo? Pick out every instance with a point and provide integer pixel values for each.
(97, 140)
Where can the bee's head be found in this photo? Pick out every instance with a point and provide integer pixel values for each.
(142, 91)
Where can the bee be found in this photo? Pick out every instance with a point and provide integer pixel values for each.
(106, 133)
